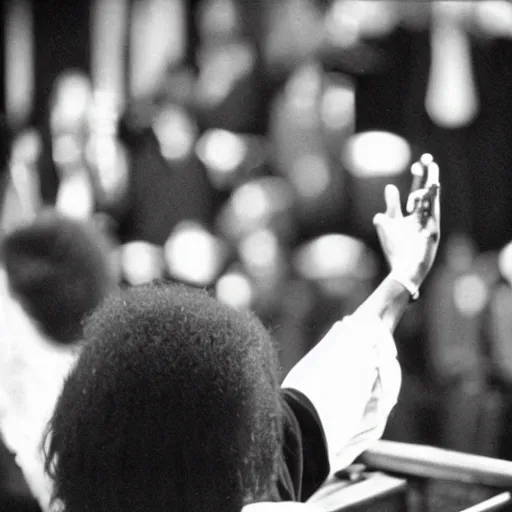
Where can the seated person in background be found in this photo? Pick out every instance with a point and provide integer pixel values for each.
(174, 403)
(53, 271)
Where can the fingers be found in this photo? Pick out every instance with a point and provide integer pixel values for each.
(379, 219)
(433, 180)
(431, 231)
(412, 199)
(392, 198)
(383, 222)
(436, 211)
(433, 175)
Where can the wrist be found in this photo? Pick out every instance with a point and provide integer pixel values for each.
(412, 285)
(388, 302)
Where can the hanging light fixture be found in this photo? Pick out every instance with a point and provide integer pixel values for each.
(452, 99)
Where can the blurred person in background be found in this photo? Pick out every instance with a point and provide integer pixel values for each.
(174, 402)
(53, 272)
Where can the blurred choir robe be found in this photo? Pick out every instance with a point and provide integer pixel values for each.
(161, 194)
(454, 353)
(462, 345)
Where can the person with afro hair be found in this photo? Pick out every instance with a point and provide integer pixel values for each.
(53, 272)
(174, 402)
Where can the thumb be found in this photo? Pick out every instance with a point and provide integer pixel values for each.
(381, 220)
(392, 198)
(382, 225)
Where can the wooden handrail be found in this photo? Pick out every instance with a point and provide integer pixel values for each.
(438, 463)
(495, 503)
(336, 495)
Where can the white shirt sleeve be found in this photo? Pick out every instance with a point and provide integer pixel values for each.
(352, 377)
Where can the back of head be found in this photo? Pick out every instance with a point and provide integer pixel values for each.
(172, 405)
(59, 270)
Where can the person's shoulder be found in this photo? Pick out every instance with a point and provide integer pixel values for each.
(298, 408)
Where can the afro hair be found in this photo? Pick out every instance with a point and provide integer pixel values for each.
(172, 405)
(59, 270)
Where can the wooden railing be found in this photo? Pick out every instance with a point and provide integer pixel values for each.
(403, 477)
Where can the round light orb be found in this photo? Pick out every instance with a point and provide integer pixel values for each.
(376, 154)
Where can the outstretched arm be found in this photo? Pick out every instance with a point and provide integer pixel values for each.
(352, 377)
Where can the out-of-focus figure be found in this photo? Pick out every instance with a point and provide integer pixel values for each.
(70, 104)
(54, 271)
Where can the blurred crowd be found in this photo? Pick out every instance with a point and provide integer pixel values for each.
(253, 161)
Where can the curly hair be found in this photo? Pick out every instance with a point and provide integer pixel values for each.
(172, 405)
(59, 270)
